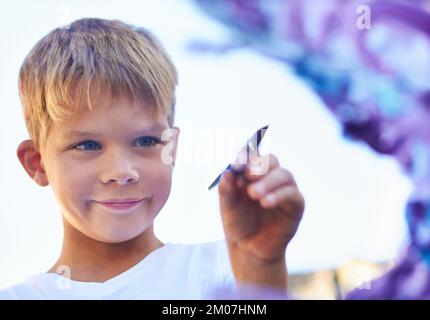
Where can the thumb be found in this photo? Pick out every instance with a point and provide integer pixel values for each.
(227, 190)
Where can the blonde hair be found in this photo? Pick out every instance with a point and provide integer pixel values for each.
(89, 57)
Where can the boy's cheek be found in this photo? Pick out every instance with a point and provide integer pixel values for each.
(163, 184)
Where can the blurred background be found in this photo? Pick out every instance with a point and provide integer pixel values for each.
(353, 226)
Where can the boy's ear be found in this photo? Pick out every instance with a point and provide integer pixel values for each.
(31, 160)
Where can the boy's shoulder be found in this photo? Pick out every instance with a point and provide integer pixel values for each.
(211, 256)
(209, 251)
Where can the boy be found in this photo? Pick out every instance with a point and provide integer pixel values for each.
(98, 99)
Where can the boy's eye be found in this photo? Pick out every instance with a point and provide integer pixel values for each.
(148, 141)
(90, 145)
(87, 145)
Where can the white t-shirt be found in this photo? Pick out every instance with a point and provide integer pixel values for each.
(174, 271)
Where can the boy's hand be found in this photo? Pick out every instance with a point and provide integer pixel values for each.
(260, 213)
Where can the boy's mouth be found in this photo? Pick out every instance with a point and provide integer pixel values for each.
(120, 204)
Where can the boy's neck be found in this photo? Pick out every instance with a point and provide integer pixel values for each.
(94, 261)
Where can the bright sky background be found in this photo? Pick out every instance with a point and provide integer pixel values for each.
(354, 198)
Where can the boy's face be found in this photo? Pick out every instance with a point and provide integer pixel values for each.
(116, 158)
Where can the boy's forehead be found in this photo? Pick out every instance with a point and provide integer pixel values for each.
(102, 120)
(105, 102)
(133, 110)
(156, 127)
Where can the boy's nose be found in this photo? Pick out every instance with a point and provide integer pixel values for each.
(121, 173)
(121, 177)
(122, 180)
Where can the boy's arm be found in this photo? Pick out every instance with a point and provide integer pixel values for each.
(267, 274)
(261, 211)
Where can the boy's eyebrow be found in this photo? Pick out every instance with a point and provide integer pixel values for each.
(149, 129)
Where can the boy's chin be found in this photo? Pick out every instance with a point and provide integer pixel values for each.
(117, 239)
(117, 236)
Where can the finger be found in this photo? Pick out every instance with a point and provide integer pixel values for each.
(232, 187)
(241, 182)
(231, 183)
(288, 198)
(260, 166)
(227, 183)
(273, 180)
